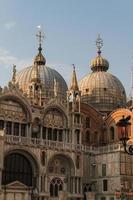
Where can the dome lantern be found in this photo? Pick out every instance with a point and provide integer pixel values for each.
(40, 59)
(99, 63)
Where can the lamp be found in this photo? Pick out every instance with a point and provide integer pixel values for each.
(124, 128)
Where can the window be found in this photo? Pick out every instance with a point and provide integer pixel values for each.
(105, 185)
(56, 185)
(23, 130)
(49, 133)
(77, 119)
(88, 137)
(87, 122)
(44, 133)
(112, 133)
(103, 169)
(55, 134)
(9, 128)
(77, 161)
(1, 124)
(16, 129)
(77, 133)
(60, 135)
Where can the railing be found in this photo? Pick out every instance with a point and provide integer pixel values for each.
(48, 144)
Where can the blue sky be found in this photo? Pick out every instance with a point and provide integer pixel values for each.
(71, 28)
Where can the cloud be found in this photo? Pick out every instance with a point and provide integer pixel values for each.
(7, 60)
(10, 25)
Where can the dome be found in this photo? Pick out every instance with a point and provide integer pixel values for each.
(47, 76)
(103, 91)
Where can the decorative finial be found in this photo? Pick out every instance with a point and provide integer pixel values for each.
(99, 44)
(14, 74)
(73, 66)
(74, 82)
(40, 36)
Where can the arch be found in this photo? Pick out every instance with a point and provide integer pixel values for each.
(20, 165)
(29, 155)
(17, 168)
(58, 108)
(67, 163)
(19, 100)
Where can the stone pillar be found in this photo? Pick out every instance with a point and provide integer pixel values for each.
(63, 195)
(12, 129)
(90, 196)
(27, 130)
(41, 132)
(19, 130)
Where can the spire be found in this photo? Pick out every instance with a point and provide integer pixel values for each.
(74, 82)
(40, 59)
(99, 44)
(14, 74)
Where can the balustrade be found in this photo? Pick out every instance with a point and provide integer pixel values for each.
(36, 142)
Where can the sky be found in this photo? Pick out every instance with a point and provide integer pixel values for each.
(71, 28)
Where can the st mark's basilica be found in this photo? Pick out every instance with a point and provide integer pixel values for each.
(59, 141)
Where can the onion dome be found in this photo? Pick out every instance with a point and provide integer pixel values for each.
(100, 88)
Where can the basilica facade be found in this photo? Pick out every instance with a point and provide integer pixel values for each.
(59, 141)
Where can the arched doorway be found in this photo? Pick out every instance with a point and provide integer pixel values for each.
(56, 185)
(17, 167)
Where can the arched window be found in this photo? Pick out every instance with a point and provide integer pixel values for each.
(1, 124)
(55, 134)
(88, 122)
(44, 133)
(56, 185)
(95, 137)
(17, 168)
(49, 133)
(23, 130)
(60, 135)
(78, 161)
(112, 133)
(88, 138)
(9, 128)
(16, 129)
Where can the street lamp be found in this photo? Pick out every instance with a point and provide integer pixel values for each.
(124, 127)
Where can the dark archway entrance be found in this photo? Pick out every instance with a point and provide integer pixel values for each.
(17, 168)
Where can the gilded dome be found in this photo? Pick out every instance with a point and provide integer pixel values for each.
(47, 76)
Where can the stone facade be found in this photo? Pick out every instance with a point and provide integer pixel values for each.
(56, 146)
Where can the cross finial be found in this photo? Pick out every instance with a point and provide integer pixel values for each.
(99, 44)
(40, 37)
